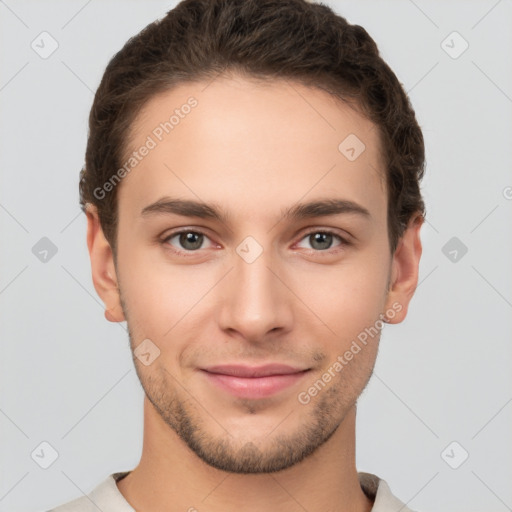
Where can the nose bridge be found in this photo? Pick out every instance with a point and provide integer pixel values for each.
(256, 301)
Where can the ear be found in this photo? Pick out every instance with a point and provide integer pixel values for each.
(404, 272)
(102, 266)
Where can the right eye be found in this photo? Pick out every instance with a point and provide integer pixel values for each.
(188, 240)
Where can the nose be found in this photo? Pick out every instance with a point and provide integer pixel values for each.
(256, 301)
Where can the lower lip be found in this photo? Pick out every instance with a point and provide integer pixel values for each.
(254, 387)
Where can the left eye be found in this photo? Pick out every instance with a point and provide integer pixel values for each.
(322, 240)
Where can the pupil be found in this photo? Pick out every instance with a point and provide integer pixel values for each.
(191, 240)
(323, 238)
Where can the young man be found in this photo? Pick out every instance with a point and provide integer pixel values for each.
(252, 195)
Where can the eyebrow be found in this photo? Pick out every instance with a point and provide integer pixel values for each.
(318, 208)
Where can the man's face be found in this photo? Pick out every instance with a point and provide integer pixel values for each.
(257, 287)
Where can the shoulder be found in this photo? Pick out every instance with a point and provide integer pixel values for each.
(105, 496)
(76, 505)
(380, 492)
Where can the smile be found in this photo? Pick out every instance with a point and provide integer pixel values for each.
(254, 382)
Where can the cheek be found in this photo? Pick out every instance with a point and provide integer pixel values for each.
(146, 291)
(161, 298)
(347, 296)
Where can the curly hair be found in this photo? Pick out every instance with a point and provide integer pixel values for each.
(296, 40)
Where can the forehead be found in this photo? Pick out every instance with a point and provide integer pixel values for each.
(254, 145)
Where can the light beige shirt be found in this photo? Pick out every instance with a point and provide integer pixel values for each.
(107, 497)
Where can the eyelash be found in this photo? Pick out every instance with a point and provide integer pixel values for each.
(343, 242)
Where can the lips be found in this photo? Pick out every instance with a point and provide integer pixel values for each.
(254, 382)
(253, 371)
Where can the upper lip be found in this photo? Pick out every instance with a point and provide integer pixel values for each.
(237, 370)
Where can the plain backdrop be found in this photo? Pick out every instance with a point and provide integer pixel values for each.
(436, 418)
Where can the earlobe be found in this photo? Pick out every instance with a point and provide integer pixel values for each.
(102, 267)
(405, 270)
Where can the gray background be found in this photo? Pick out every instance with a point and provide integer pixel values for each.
(443, 375)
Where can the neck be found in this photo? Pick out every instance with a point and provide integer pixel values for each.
(172, 477)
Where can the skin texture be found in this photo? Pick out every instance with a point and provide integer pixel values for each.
(253, 149)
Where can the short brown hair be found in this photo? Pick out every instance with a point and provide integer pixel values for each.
(298, 40)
